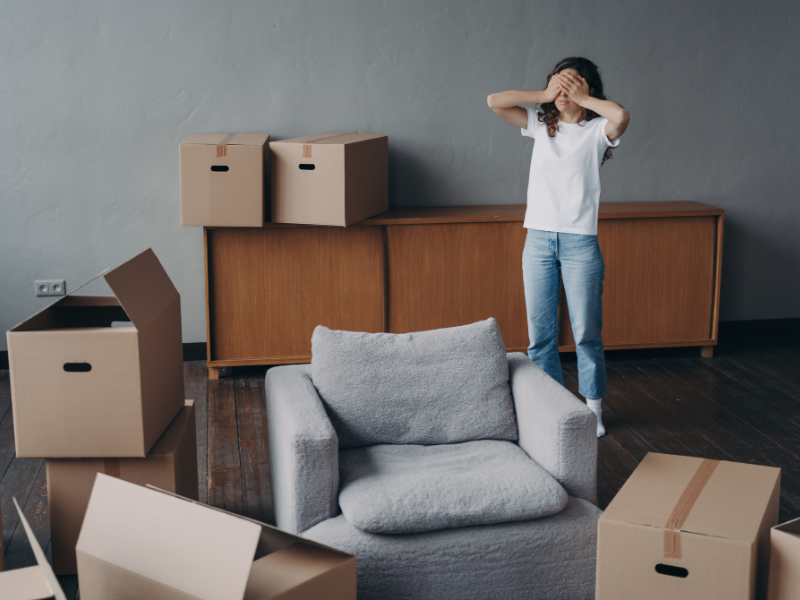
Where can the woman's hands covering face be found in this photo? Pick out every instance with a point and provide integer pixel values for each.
(574, 85)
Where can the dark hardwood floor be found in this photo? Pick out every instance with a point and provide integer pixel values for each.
(742, 405)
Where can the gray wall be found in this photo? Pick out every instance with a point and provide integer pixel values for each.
(95, 97)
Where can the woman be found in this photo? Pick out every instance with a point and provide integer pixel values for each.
(575, 129)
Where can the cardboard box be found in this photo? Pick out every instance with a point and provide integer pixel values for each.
(332, 179)
(31, 583)
(82, 387)
(144, 543)
(225, 180)
(784, 566)
(171, 465)
(688, 528)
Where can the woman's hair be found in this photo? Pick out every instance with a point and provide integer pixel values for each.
(586, 69)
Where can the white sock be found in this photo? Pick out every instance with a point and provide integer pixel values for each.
(596, 406)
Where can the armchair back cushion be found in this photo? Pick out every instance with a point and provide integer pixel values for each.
(433, 387)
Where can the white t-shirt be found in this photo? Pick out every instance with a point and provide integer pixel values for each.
(564, 183)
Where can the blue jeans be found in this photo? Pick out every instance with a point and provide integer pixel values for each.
(581, 266)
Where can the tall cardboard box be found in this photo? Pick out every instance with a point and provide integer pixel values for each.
(141, 543)
(171, 465)
(784, 565)
(330, 179)
(225, 180)
(688, 528)
(83, 387)
(31, 583)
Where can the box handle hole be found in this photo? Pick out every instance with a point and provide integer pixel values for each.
(671, 571)
(307, 167)
(222, 168)
(77, 367)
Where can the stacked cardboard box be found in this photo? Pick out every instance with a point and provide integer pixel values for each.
(330, 179)
(97, 386)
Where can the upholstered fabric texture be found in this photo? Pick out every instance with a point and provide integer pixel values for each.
(433, 387)
(413, 488)
(552, 558)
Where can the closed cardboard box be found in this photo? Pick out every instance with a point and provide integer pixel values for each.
(784, 566)
(83, 387)
(225, 180)
(31, 583)
(330, 179)
(688, 528)
(142, 543)
(171, 465)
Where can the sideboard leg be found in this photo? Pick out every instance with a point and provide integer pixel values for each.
(213, 373)
(707, 351)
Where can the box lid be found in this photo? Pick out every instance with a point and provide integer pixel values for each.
(351, 137)
(144, 532)
(730, 504)
(31, 583)
(170, 440)
(234, 139)
(141, 285)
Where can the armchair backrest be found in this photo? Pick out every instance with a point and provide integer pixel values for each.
(432, 387)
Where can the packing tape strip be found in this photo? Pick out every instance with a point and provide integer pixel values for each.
(111, 467)
(307, 143)
(222, 145)
(672, 534)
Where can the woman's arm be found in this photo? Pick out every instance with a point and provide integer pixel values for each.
(578, 91)
(507, 104)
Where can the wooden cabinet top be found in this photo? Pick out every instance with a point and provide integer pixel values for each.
(516, 212)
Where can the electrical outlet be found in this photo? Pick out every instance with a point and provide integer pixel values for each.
(51, 287)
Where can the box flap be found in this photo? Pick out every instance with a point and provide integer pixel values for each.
(34, 583)
(205, 553)
(170, 440)
(790, 527)
(286, 569)
(332, 138)
(730, 505)
(237, 139)
(24, 584)
(142, 287)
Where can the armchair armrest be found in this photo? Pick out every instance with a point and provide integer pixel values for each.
(303, 448)
(556, 429)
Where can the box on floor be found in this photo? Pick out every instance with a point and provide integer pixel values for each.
(331, 179)
(82, 386)
(689, 528)
(171, 548)
(171, 465)
(784, 566)
(225, 180)
(30, 583)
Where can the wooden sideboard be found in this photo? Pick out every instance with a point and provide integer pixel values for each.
(426, 268)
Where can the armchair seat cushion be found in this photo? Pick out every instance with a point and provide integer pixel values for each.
(431, 387)
(412, 488)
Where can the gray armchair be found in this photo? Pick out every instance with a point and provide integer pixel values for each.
(550, 557)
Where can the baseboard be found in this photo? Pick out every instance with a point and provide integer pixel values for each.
(727, 330)
(738, 329)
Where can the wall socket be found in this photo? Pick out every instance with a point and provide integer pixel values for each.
(51, 287)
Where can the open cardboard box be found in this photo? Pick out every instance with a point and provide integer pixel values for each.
(30, 583)
(171, 465)
(784, 566)
(146, 543)
(684, 527)
(82, 386)
(225, 180)
(330, 179)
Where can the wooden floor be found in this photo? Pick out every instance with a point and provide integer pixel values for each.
(742, 405)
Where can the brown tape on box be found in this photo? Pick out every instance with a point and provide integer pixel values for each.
(307, 143)
(672, 534)
(111, 467)
(222, 146)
